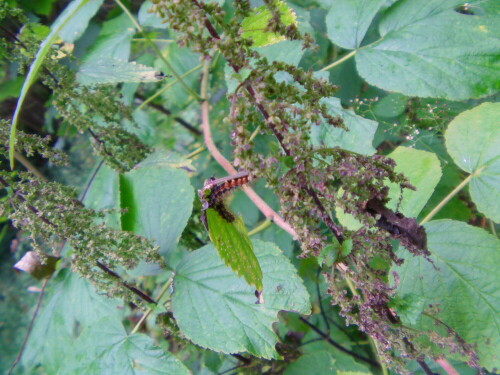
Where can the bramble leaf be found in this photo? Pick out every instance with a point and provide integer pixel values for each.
(215, 309)
(464, 285)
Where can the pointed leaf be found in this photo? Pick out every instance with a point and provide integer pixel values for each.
(105, 348)
(234, 247)
(158, 198)
(473, 142)
(215, 309)
(347, 21)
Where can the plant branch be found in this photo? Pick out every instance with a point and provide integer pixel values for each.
(450, 196)
(446, 366)
(30, 326)
(167, 112)
(327, 338)
(149, 310)
(266, 210)
(325, 216)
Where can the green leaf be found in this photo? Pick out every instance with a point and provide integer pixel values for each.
(464, 286)
(319, 363)
(71, 304)
(255, 24)
(215, 309)
(110, 71)
(473, 142)
(434, 51)
(392, 105)
(147, 19)
(105, 348)
(113, 41)
(358, 139)
(347, 21)
(11, 88)
(423, 171)
(234, 247)
(158, 198)
(82, 11)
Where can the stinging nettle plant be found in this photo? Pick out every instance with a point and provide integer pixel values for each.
(346, 208)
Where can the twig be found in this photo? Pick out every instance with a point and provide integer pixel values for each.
(27, 164)
(325, 216)
(338, 346)
(339, 61)
(149, 310)
(446, 366)
(267, 211)
(167, 112)
(30, 327)
(134, 290)
(425, 367)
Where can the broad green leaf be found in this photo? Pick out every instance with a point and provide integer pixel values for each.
(358, 139)
(423, 170)
(348, 20)
(82, 10)
(432, 50)
(159, 199)
(110, 71)
(473, 142)
(105, 348)
(464, 285)
(71, 305)
(255, 24)
(113, 41)
(234, 247)
(215, 309)
(319, 363)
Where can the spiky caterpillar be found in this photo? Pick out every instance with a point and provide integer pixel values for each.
(214, 190)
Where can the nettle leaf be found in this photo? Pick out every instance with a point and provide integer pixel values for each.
(215, 309)
(105, 348)
(71, 304)
(358, 138)
(433, 50)
(423, 171)
(234, 247)
(347, 21)
(465, 286)
(254, 25)
(113, 41)
(158, 198)
(110, 71)
(473, 142)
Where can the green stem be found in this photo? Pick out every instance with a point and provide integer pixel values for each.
(157, 50)
(260, 227)
(450, 196)
(153, 40)
(492, 227)
(149, 310)
(339, 61)
(167, 86)
(199, 150)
